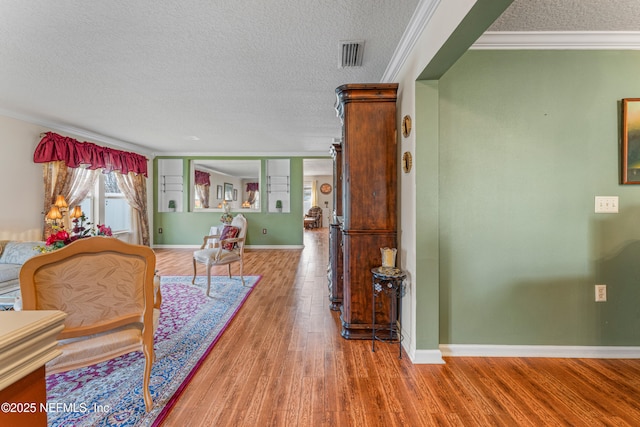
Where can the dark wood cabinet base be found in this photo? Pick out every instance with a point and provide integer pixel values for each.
(361, 254)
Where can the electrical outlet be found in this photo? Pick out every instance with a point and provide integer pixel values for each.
(601, 293)
(160, 230)
(264, 231)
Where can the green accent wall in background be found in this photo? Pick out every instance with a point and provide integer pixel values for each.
(188, 228)
(427, 229)
(527, 139)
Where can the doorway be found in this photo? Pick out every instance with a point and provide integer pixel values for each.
(318, 187)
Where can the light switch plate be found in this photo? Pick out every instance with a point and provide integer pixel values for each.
(606, 204)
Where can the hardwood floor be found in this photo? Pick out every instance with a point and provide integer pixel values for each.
(282, 362)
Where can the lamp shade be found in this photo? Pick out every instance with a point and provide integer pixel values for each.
(76, 212)
(54, 213)
(61, 202)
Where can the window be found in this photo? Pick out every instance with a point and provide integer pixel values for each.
(306, 196)
(106, 204)
(117, 212)
(87, 207)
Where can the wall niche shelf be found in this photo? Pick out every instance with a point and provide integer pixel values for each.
(278, 184)
(172, 183)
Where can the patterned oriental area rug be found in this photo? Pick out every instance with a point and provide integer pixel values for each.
(110, 393)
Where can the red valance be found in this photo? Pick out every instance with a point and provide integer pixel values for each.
(202, 178)
(54, 147)
(252, 186)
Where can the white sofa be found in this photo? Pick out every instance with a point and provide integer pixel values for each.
(12, 255)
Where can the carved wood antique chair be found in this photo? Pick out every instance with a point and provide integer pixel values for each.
(313, 218)
(106, 288)
(225, 248)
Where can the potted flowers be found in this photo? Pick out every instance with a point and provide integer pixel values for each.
(279, 205)
(60, 238)
(172, 205)
(226, 217)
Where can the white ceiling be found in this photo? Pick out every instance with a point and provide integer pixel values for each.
(220, 77)
(570, 15)
(317, 167)
(192, 76)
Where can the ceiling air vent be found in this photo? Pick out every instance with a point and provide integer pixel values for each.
(351, 53)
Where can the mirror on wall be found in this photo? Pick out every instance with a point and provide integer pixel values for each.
(217, 182)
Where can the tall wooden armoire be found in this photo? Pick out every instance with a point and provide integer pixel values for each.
(369, 201)
(335, 271)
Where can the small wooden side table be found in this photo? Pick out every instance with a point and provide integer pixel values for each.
(390, 281)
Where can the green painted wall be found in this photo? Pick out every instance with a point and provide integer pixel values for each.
(526, 140)
(427, 228)
(188, 228)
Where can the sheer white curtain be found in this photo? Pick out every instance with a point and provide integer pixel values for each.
(72, 183)
(82, 182)
(203, 194)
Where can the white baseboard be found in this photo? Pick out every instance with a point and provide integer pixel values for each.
(427, 357)
(175, 247)
(575, 352)
(274, 246)
(246, 247)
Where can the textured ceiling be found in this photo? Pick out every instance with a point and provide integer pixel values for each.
(192, 76)
(570, 15)
(220, 77)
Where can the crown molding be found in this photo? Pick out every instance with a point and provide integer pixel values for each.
(78, 132)
(558, 40)
(422, 15)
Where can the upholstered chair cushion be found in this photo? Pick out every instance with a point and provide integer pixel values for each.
(19, 252)
(229, 232)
